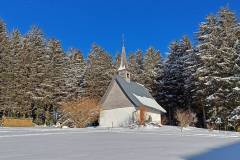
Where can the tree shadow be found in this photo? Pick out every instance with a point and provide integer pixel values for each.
(227, 152)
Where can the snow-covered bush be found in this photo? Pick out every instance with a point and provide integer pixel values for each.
(211, 124)
(214, 123)
(234, 119)
(185, 118)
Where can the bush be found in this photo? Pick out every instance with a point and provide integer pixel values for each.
(48, 118)
(185, 118)
(79, 113)
(211, 126)
(238, 129)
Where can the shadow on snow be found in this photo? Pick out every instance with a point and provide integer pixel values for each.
(227, 152)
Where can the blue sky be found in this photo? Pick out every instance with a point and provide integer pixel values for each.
(80, 23)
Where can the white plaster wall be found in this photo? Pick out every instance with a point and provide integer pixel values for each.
(119, 117)
(156, 117)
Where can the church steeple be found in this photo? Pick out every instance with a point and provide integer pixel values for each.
(123, 64)
(123, 68)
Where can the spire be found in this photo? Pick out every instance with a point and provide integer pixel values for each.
(123, 40)
(123, 68)
(123, 64)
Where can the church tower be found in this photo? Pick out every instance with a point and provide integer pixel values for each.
(123, 68)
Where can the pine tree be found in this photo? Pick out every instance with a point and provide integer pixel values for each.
(236, 68)
(117, 60)
(76, 74)
(17, 94)
(206, 32)
(139, 66)
(132, 66)
(136, 66)
(215, 75)
(37, 68)
(158, 80)
(5, 69)
(151, 65)
(99, 72)
(173, 81)
(58, 70)
(191, 63)
(51, 88)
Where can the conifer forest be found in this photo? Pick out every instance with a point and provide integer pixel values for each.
(37, 75)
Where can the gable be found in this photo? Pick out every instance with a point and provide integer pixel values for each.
(115, 98)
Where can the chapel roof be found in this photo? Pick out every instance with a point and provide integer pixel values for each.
(138, 94)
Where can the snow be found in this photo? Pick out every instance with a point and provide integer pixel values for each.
(150, 102)
(208, 83)
(235, 115)
(231, 78)
(140, 84)
(204, 36)
(211, 97)
(122, 67)
(237, 88)
(166, 143)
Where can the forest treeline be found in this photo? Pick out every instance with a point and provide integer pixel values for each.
(36, 75)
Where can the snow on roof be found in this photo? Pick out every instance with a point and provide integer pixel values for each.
(150, 102)
(135, 91)
(140, 84)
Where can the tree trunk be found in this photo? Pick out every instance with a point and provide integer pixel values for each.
(204, 117)
(169, 115)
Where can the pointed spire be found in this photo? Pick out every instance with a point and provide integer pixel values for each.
(123, 64)
(123, 40)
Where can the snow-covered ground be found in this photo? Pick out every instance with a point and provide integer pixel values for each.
(165, 143)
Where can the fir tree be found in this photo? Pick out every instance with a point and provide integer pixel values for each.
(76, 68)
(117, 60)
(139, 66)
(17, 94)
(151, 65)
(58, 70)
(37, 68)
(132, 66)
(158, 80)
(215, 75)
(173, 82)
(136, 66)
(99, 72)
(5, 69)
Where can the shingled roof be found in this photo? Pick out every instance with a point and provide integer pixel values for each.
(138, 94)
